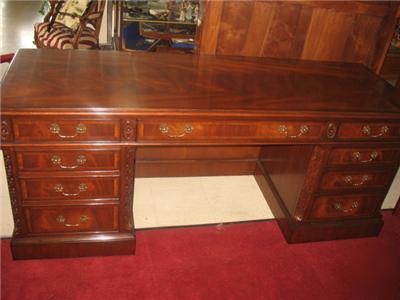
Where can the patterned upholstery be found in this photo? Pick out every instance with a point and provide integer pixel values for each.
(61, 37)
(70, 13)
(53, 34)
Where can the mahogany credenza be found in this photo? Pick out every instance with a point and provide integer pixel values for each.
(321, 139)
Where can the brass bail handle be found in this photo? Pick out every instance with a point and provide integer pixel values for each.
(56, 129)
(338, 206)
(366, 130)
(302, 131)
(357, 156)
(187, 129)
(59, 188)
(349, 180)
(62, 220)
(80, 161)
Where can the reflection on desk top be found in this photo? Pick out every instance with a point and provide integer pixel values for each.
(110, 81)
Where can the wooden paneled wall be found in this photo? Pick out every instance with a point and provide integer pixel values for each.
(350, 31)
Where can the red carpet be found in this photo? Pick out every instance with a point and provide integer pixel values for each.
(239, 261)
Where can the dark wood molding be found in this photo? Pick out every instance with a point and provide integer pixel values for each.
(128, 130)
(315, 169)
(396, 210)
(128, 188)
(6, 130)
(13, 192)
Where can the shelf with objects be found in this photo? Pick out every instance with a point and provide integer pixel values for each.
(164, 26)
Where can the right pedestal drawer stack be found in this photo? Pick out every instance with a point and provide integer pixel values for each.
(355, 181)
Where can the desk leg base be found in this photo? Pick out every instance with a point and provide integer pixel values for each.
(73, 246)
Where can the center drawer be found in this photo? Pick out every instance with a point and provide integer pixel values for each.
(69, 188)
(77, 218)
(173, 130)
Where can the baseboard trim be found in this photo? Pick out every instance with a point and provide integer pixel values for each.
(204, 225)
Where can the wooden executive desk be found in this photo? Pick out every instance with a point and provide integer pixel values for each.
(322, 139)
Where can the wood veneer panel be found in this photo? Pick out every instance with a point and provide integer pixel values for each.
(232, 34)
(280, 39)
(193, 153)
(194, 168)
(365, 28)
(375, 8)
(352, 31)
(259, 26)
(207, 85)
(326, 39)
(287, 168)
(210, 27)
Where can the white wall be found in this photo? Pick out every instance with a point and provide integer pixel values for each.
(103, 29)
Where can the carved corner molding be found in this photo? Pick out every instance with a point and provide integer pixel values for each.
(12, 190)
(315, 167)
(128, 129)
(127, 205)
(6, 130)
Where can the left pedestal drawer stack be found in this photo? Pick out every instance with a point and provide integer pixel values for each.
(70, 192)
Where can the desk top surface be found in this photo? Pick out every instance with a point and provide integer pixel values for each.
(109, 81)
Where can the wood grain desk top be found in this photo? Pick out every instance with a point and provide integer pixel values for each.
(115, 82)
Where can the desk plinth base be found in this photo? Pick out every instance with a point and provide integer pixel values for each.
(300, 232)
(73, 246)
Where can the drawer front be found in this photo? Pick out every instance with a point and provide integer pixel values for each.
(355, 180)
(72, 219)
(231, 130)
(362, 156)
(369, 131)
(68, 160)
(345, 206)
(69, 188)
(66, 130)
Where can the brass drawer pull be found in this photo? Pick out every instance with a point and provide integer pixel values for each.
(338, 206)
(357, 156)
(303, 130)
(366, 130)
(187, 129)
(60, 189)
(349, 180)
(61, 219)
(80, 160)
(55, 128)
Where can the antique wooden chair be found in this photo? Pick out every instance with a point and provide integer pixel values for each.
(52, 33)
